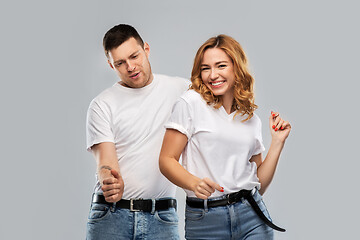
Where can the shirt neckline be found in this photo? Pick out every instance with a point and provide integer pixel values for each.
(142, 89)
(227, 115)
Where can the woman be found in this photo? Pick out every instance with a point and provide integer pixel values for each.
(214, 127)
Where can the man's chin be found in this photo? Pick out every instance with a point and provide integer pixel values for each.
(133, 84)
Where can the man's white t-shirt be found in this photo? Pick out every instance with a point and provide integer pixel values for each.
(133, 119)
(219, 147)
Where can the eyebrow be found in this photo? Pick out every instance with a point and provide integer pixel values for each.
(217, 63)
(122, 60)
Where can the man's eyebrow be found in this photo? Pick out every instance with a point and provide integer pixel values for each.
(135, 53)
(118, 61)
(122, 60)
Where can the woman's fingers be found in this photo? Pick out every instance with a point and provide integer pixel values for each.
(279, 125)
(276, 122)
(274, 114)
(285, 125)
(206, 187)
(201, 196)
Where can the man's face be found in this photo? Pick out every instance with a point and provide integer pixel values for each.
(130, 62)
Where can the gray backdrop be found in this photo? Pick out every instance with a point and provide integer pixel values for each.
(303, 54)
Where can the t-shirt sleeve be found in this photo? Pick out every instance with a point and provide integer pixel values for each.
(181, 118)
(259, 145)
(98, 125)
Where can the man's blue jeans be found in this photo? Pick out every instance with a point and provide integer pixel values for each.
(235, 221)
(107, 223)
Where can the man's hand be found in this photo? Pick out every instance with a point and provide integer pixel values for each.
(113, 187)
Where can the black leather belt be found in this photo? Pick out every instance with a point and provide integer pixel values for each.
(233, 198)
(137, 204)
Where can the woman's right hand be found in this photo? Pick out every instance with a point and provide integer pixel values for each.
(203, 188)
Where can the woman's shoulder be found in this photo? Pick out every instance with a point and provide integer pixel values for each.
(191, 96)
(255, 120)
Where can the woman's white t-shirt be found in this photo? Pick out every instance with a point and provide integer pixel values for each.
(219, 146)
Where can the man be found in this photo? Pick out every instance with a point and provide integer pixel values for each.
(132, 199)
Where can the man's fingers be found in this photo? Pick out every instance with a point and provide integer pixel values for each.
(115, 179)
(115, 173)
(108, 187)
(110, 180)
(111, 192)
(112, 198)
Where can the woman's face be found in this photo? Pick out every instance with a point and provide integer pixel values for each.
(217, 72)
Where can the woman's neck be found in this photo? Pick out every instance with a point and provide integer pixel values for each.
(227, 102)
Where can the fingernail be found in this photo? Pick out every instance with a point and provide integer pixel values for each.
(273, 126)
(282, 128)
(273, 114)
(222, 190)
(276, 129)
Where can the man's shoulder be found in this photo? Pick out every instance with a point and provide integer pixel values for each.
(106, 95)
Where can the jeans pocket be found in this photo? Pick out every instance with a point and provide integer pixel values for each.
(194, 214)
(167, 216)
(98, 211)
(260, 203)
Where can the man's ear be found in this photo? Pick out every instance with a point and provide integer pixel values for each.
(147, 49)
(110, 64)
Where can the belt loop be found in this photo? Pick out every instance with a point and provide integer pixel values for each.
(206, 205)
(153, 201)
(113, 207)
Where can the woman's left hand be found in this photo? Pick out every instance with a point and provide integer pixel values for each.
(279, 128)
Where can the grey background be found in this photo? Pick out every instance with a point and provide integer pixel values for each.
(303, 54)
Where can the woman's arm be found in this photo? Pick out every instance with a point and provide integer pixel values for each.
(173, 145)
(280, 130)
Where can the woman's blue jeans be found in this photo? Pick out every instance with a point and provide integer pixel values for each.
(234, 221)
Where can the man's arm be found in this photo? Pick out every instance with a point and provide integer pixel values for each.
(108, 171)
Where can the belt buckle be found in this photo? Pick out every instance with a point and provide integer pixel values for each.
(228, 199)
(132, 206)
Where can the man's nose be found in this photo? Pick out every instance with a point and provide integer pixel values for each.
(130, 67)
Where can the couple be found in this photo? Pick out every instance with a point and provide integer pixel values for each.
(138, 128)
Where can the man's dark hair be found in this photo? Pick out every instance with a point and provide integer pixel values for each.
(118, 35)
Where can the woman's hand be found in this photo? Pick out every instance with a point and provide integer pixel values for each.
(279, 128)
(203, 188)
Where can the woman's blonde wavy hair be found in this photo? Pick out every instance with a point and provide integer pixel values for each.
(243, 90)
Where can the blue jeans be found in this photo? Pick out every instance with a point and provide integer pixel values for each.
(105, 223)
(234, 221)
